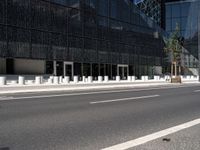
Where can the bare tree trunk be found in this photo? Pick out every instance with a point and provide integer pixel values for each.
(172, 69)
(179, 70)
(175, 69)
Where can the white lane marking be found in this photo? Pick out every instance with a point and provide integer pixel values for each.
(90, 93)
(5, 98)
(197, 91)
(124, 99)
(151, 137)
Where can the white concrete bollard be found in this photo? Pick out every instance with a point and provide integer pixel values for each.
(188, 77)
(118, 78)
(41, 79)
(156, 78)
(2, 80)
(55, 80)
(21, 80)
(66, 79)
(60, 79)
(37, 80)
(144, 78)
(84, 79)
(106, 78)
(90, 80)
(50, 81)
(100, 79)
(182, 78)
(129, 78)
(167, 78)
(75, 79)
(133, 78)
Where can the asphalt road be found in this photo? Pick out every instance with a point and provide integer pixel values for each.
(93, 120)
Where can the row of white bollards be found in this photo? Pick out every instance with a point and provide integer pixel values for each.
(100, 79)
(65, 80)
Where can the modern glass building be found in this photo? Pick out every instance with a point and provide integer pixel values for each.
(185, 13)
(152, 8)
(78, 37)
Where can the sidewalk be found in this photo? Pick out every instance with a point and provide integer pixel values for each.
(11, 89)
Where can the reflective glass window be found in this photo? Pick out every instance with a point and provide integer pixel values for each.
(103, 7)
(168, 11)
(185, 7)
(114, 10)
(175, 21)
(168, 25)
(176, 10)
(184, 23)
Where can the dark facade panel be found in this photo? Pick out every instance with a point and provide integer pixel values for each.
(82, 31)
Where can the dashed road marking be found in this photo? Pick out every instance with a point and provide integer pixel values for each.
(124, 99)
(197, 91)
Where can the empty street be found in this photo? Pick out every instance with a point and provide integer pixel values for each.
(149, 118)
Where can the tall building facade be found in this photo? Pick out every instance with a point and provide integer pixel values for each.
(78, 37)
(185, 13)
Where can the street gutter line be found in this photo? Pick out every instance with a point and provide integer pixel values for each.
(124, 99)
(154, 136)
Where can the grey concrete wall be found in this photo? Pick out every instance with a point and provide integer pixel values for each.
(2, 66)
(28, 66)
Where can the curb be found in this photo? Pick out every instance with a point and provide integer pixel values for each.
(89, 87)
(81, 88)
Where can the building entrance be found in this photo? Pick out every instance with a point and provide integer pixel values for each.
(69, 69)
(122, 71)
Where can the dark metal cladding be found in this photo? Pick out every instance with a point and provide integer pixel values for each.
(82, 31)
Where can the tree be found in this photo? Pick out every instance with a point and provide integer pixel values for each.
(173, 50)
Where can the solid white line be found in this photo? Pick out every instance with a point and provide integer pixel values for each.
(90, 93)
(124, 99)
(151, 137)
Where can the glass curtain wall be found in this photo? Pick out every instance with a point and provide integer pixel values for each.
(185, 13)
(96, 35)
